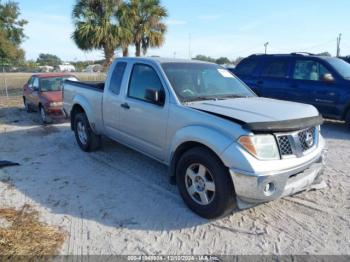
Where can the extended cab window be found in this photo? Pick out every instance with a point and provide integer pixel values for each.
(276, 69)
(117, 77)
(246, 67)
(143, 77)
(309, 70)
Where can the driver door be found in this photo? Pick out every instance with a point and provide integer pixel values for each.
(33, 94)
(143, 124)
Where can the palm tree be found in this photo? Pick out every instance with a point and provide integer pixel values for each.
(144, 18)
(97, 27)
(127, 23)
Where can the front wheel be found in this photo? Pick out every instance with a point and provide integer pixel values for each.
(204, 183)
(27, 107)
(87, 140)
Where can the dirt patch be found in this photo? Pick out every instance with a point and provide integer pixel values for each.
(24, 234)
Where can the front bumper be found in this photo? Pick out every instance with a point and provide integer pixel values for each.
(55, 112)
(252, 189)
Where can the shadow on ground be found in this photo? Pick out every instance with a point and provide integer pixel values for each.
(115, 186)
(335, 130)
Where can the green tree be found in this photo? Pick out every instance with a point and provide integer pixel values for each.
(324, 54)
(144, 18)
(11, 33)
(97, 26)
(205, 58)
(223, 61)
(48, 59)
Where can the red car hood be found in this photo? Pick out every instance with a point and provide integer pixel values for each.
(54, 96)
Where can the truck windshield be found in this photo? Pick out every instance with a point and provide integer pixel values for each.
(54, 83)
(196, 81)
(342, 67)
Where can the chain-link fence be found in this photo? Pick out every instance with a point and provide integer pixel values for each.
(11, 85)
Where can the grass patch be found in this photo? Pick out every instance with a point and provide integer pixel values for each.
(21, 233)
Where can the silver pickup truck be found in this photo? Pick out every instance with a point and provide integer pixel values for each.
(225, 147)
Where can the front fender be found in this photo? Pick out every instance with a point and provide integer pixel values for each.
(209, 137)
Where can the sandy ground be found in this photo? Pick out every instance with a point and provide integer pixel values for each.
(117, 201)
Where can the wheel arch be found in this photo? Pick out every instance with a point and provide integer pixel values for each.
(346, 111)
(204, 137)
(76, 109)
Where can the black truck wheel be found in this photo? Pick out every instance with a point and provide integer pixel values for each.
(205, 184)
(87, 140)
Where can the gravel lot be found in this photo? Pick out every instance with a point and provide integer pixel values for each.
(117, 201)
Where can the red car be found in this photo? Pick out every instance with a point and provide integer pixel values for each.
(43, 93)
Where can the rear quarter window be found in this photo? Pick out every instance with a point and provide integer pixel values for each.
(247, 67)
(275, 69)
(117, 77)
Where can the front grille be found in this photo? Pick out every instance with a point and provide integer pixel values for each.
(307, 138)
(285, 146)
(297, 143)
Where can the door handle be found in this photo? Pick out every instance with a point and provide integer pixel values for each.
(125, 106)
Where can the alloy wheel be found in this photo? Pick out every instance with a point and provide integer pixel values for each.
(200, 184)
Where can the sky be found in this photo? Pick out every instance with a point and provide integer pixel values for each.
(215, 28)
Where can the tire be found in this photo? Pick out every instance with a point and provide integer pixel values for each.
(43, 115)
(347, 119)
(87, 140)
(220, 198)
(27, 107)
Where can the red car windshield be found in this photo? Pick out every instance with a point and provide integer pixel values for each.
(54, 83)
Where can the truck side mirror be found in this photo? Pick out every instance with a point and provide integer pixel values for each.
(328, 78)
(155, 96)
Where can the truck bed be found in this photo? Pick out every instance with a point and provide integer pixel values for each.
(89, 94)
(98, 86)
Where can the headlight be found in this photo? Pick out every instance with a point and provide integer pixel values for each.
(263, 147)
(54, 104)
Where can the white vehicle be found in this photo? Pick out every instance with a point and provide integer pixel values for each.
(93, 68)
(46, 69)
(66, 67)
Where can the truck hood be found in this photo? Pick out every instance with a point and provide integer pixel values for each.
(54, 96)
(262, 114)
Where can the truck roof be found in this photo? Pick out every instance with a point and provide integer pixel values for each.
(161, 60)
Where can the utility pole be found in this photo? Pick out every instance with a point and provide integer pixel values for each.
(338, 45)
(266, 44)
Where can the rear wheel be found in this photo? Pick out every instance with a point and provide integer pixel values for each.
(204, 183)
(87, 140)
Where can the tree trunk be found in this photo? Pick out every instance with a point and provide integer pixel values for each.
(138, 49)
(109, 55)
(126, 51)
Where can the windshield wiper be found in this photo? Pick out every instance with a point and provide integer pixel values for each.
(231, 96)
(200, 98)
